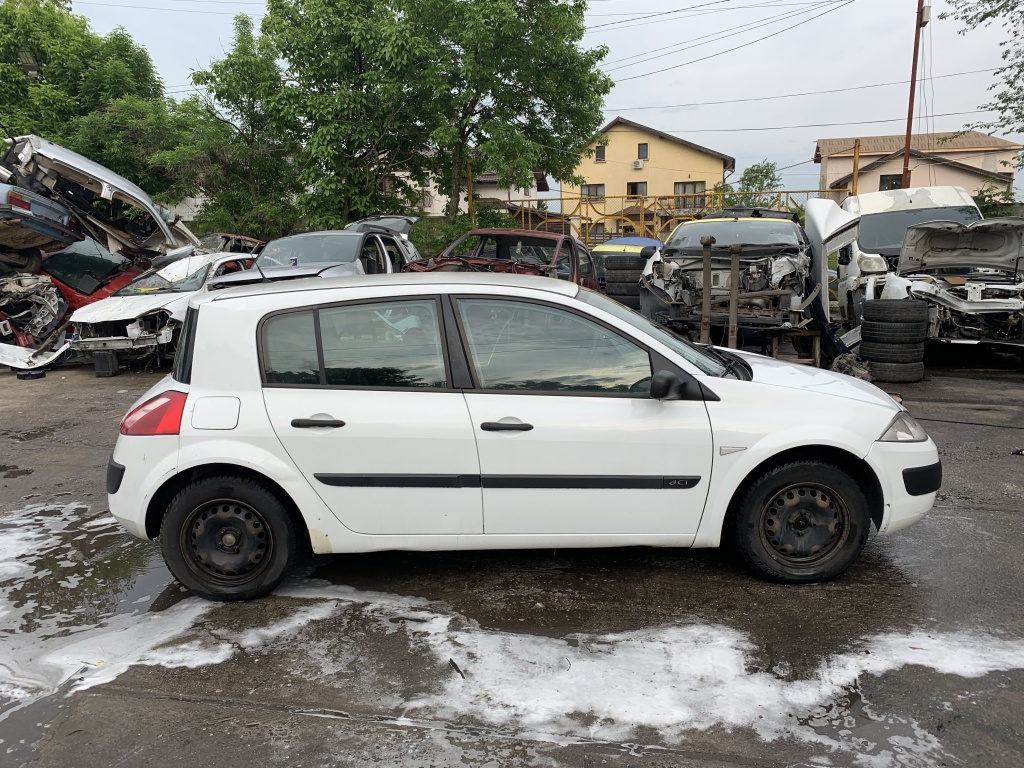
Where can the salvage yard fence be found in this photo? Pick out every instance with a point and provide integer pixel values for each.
(594, 220)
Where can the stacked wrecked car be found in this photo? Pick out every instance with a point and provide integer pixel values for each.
(71, 233)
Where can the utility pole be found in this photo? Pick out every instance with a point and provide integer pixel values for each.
(856, 167)
(922, 20)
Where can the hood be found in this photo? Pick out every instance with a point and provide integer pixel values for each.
(990, 243)
(43, 165)
(778, 373)
(118, 308)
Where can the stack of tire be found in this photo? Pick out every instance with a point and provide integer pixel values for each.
(892, 338)
(622, 278)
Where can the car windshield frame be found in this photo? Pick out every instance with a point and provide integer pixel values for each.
(728, 232)
(298, 250)
(884, 231)
(685, 349)
(176, 277)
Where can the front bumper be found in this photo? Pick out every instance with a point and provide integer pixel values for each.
(114, 342)
(910, 475)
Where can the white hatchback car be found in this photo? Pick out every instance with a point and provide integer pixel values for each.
(454, 411)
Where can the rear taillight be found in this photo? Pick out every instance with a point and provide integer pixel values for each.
(160, 415)
(19, 201)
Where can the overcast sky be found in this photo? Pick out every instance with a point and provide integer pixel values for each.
(840, 45)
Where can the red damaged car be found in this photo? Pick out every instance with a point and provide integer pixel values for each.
(518, 251)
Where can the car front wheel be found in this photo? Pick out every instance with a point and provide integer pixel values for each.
(227, 538)
(801, 522)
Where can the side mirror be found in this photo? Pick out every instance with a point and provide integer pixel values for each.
(667, 385)
(844, 257)
(648, 250)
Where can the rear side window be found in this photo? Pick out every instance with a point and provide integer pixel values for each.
(182, 371)
(382, 345)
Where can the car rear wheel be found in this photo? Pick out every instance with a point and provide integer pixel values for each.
(228, 538)
(801, 522)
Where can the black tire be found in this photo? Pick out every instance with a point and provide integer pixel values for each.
(623, 275)
(633, 302)
(884, 352)
(888, 332)
(896, 310)
(250, 564)
(897, 373)
(624, 261)
(801, 522)
(622, 289)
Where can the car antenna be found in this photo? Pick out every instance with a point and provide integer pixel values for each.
(256, 263)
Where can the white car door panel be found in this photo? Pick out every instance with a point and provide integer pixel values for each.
(568, 438)
(358, 396)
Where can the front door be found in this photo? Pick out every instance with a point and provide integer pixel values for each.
(570, 442)
(360, 396)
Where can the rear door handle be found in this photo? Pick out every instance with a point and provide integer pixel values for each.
(307, 423)
(502, 426)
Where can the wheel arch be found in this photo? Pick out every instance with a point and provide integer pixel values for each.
(857, 467)
(170, 487)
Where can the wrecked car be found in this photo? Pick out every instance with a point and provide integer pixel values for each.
(223, 242)
(522, 252)
(144, 318)
(776, 281)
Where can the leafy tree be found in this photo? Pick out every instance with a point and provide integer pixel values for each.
(356, 91)
(241, 154)
(1009, 97)
(993, 201)
(757, 178)
(513, 90)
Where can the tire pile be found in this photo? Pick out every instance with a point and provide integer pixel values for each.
(622, 278)
(892, 339)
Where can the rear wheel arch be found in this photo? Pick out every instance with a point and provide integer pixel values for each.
(170, 488)
(853, 465)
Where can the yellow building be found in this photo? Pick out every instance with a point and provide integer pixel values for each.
(643, 179)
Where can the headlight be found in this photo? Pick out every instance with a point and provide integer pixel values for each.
(904, 429)
(869, 263)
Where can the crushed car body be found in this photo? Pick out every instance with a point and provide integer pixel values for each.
(144, 318)
(773, 268)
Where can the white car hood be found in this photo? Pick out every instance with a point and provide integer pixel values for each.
(792, 376)
(130, 307)
(990, 243)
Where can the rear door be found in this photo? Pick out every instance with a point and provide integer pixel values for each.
(570, 441)
(360, 396)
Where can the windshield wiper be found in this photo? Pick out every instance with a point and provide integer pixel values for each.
(731, 364)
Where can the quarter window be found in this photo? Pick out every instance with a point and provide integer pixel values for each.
(378, 345)
(531, 347)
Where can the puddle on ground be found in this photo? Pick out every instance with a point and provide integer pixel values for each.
(81, 602)
(10, 471)
(22, 436)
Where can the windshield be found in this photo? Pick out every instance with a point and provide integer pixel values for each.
(885, 231)
(310, 249)
(182, 276)
(736, 232)
(688, 351)
(394, 223)
(81, 259)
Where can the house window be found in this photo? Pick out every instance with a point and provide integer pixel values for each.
(592, 190)
(636, 189)
(690, 194)
(890, 181)
(599, 153)
(641, 151)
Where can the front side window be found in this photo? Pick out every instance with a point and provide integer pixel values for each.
(520, 346)
(376, 345)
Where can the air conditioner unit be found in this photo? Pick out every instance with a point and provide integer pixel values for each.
(638, 165)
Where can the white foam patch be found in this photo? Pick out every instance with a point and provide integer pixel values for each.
(255, 638)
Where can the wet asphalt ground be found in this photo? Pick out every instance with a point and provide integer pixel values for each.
(632, 657)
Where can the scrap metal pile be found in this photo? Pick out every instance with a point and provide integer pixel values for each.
(71, 233)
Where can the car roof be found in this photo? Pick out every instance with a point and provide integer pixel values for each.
(459, 280)
(515, 232)
(341, 232)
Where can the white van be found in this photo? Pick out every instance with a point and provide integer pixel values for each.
(883, 221)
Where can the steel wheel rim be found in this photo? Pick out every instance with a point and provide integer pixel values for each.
(804, 524)
(227, 542)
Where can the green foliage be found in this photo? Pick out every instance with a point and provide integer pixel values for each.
(994, 202)
(1009, 98)
(760, 177)
(512, 88)
(433, 235)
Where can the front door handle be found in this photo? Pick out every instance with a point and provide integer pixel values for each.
(502, 426)
(307, 423)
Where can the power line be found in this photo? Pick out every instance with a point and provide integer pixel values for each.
(712, 37)
(660, 13)
(807, 125)
(153, 8)
(789, 95)
(738, 47)
(770, 3)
